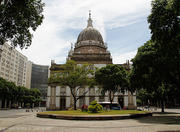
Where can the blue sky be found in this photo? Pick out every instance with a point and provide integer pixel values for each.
(122, 23)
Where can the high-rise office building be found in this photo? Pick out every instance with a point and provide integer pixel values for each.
(39, 80)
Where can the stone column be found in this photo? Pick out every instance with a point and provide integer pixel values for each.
(48, 103)
(48, 100)
(67, 102)
(125, 102)
(53, 95)
(106, 99)
(130, 101)
(69, 98)
(115, 99)
(49, 91)
(87, 100)
(87, 96)
(57, 102)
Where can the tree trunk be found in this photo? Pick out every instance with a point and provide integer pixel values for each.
(75, 104)
(5, 105)
(111, 103)
(10, 104)
(0, 103)
(73, 93)
(111, 98)
(162, 105)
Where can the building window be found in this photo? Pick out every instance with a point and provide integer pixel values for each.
(63, 91)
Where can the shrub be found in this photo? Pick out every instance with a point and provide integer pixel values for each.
(139, 102)
(84, 108)
(71, 108)
(94, 107)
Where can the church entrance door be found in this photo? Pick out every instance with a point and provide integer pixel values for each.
(62, 103)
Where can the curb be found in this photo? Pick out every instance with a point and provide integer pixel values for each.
(96, 117)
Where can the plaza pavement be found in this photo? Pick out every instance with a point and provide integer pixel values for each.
(21, 121)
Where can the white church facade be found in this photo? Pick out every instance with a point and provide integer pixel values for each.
(89, 48)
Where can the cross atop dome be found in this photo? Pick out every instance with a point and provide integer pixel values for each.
(90, 20)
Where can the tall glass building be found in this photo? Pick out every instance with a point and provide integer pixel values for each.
(39, 80)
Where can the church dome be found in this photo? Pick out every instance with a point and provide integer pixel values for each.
(90, 33)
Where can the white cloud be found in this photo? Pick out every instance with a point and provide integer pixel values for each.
(122, 58)
(60, 15)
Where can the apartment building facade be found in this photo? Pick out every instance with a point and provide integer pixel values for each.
(13, 66)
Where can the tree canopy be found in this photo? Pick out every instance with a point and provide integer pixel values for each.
(147, 72)
(112, 78)
(144, 70)
(18, 94)
(164, 23)
(75, 76)
(156, 67)
(18, 18)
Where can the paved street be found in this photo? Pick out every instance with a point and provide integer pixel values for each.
(21, 121)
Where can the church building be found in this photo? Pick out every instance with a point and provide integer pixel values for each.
(89, 48)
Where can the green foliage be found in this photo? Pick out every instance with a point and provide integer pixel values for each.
(112, 78)
(144, 73)
(9, 91)
(74, 76)
(18, 18)
(28, 105)
(94, 107)
(139, 102)
(156, 66)
(164, 23)
(77, 112)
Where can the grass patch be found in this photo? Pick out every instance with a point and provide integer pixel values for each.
(79, 112)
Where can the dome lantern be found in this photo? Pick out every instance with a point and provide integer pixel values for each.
(90, 20)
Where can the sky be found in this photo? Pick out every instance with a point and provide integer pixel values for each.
(122, 24)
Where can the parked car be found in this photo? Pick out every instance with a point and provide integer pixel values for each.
(106, 105)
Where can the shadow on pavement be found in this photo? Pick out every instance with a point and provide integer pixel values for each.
(170, 118)
(168, 131)
(165, 113)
